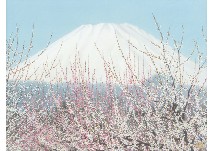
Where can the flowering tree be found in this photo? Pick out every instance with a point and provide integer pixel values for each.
(137, 113)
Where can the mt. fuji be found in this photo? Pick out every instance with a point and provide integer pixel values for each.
(115, 49)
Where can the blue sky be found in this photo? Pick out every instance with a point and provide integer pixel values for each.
(61, 17)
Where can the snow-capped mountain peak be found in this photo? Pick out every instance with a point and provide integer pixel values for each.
(102, 51)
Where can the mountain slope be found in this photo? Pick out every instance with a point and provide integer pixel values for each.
(120, 50)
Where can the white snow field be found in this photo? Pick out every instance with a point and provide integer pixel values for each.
(114, 48)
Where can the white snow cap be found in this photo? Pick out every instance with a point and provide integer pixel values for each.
(105, 47)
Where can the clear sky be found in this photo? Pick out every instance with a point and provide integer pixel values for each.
(59, 17)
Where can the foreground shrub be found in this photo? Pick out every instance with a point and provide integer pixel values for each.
(156, 113)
